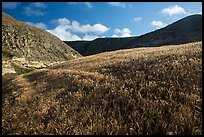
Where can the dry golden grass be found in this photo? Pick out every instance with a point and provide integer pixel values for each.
(134, 91)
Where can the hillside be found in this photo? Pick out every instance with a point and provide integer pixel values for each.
(188, 29)
(99, 45)
(25, 47)
(134, 91)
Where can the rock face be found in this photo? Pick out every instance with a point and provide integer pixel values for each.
(186, 30)
(33, 46)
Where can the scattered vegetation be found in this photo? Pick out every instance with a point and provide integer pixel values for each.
(7, 77)
(20, 69)
(127, 92)
(6, 54)
(59, 54)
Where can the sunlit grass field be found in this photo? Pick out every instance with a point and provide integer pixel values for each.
(155, 90)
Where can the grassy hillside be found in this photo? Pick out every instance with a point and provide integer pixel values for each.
(134, 91)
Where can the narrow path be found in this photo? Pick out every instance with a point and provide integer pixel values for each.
(27, 87)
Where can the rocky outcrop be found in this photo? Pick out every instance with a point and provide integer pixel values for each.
(24, 44)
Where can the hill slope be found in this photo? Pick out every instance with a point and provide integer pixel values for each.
(99, 45)
(26, 47)
(134, 91)
(188, 29)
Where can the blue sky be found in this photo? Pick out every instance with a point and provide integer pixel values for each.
(89, 20)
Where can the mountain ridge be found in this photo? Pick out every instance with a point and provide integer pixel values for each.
(186, 30)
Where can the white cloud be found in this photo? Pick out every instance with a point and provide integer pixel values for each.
(137, 19)
(87, 4)
(115, 36)
(125, 32)
(39, 25)
(90, 37)
(10, 5)
(38, 5)
(77, 27)
(199, 13)
(158, 24)
(68, 30)
(64, 34)
(117, 4)
(126, 35)
(173, 10)
(34, 9)
(30, 11)
(63, 21)
(117, 30)
(97, 28)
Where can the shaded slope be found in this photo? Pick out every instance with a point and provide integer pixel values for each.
(134, 91)
(188, 29)
(31, 47)
(80, 46)
(99, 45)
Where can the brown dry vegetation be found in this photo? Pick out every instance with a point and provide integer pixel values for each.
(134, 91)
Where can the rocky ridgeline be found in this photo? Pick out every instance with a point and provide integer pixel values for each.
(30, 46)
